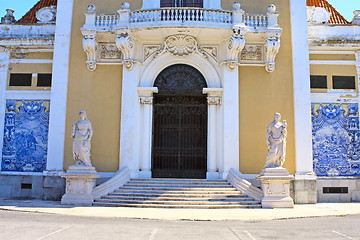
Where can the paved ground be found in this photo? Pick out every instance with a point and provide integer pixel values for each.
(299, 211)
(42, 226)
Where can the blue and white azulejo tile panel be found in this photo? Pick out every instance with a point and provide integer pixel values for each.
(26, 130)
(336, 139)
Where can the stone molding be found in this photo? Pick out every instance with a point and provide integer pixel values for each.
(46, 15)
(181, 44)
(146, 100)
(90, 47)
(214, 100)
(272, 47)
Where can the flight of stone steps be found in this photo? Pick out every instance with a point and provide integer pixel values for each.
(178, 193)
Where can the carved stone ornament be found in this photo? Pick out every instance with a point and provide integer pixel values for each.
(108, 52)
(252, 53)
(90, 47)
(126, 45)
(235, 46)
(181, 45)
(46, 14)
(9, 17)
(146, 100)
(214, 100)
(151, 50)
(4, 58)
(318, 15)
(211, 51)
(272, 47)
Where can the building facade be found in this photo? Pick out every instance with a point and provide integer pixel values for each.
(181, 89)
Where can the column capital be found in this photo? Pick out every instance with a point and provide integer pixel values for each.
(147, 91)
(213, 92)
(214, 100)
(357, 56)
(146, 100)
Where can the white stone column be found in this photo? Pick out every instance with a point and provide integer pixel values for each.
(130, 121)
(212, 4)
(230, 120)
(146, 117)
(357, 65)
(150, 4)
(4, 69)
(305, 179)
(59, 88)
(214, 102)
(302, 94)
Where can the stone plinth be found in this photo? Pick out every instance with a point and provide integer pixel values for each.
(275, 184)
(80, 182)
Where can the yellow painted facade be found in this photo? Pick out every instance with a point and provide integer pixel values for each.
(99, 93)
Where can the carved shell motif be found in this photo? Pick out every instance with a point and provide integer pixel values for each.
(180, 44)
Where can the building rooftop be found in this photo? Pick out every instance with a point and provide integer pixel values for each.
(336, 17)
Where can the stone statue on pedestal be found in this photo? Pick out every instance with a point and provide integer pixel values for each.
(276, 134)
(82, 133)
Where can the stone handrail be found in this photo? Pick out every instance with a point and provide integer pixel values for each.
(121, 177)
(255, 20)
(181, 15)
(163, 16)
(244, 186)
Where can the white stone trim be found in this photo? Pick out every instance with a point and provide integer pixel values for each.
(21, 173)
(32, 61)
(302, 97)
(27, 95)
(153, 69)
(331, 52)
(332, 62)
(4, 71)
(213, 141)
(60, 76)
(146, 117)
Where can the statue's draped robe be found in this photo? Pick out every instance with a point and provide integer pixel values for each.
(276, 133)
(82, 132)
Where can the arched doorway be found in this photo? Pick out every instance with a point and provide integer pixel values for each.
(180, 116)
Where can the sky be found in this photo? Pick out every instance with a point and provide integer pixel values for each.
(345, 7)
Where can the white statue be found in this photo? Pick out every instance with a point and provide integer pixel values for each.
(276, 134)
(81, 133)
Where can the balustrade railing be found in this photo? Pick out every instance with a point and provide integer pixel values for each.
(255, 20)
(182, 15)
(106, 20)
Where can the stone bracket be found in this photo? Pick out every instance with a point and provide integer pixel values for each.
(90, 47)
(235, 45)
(272, 46)
(126, 44)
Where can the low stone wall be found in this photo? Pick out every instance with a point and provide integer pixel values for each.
(346, 189)
(32, 187)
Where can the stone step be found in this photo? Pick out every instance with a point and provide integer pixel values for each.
(176, 202)
(176, 191)
(186, 195)
(180, 198)
(177, 180)
(180, 188)
(178, 185)
(176, 206)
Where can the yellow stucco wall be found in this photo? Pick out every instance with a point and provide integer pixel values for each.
(97, 92)
(345, 57)
(261, 94)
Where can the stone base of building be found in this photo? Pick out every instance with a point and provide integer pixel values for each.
(26, 186)
(305, 190)
(275, 184)
(80, 182)
(338, 189)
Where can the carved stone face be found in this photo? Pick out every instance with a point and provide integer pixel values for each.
(82, 115)
(277, 117)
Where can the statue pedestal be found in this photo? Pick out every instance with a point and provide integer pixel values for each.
(275, 184)
(80, 182)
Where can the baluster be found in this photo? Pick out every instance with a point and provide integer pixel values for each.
(192, 16)
(201, 17)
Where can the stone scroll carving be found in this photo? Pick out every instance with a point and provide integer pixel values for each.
(181, 44)
(46, 14)
(90, 47)
(125, 44)
(276, 134)
(82, 133)
(235, 46)
(272, 47)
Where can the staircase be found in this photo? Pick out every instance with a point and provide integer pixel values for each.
(177, 193)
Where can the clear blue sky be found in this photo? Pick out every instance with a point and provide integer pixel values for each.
(345, 7)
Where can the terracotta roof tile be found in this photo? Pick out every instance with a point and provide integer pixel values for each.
(30, 17)
(336, 17)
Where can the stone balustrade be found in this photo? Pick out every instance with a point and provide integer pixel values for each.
(175, 16)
